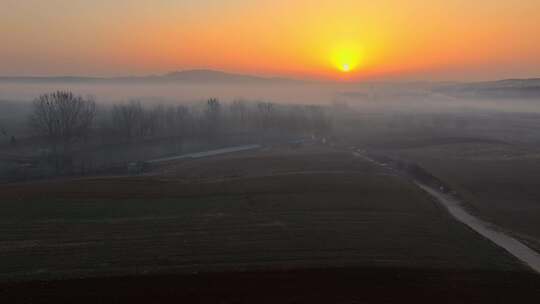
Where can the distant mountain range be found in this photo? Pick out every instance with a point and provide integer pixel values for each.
(508, 88)
(187, 76)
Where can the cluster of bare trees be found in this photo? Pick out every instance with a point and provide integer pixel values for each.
(132, 122)
(65, 120)
(212, 120)
(62, 118)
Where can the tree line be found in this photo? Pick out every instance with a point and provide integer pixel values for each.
(64, 120)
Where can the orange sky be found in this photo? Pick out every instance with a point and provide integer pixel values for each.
(385, 39)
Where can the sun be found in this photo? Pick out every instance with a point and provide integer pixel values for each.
(346, 68)
(346, 57)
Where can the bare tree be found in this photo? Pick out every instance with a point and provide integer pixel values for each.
(213, 117)
(62, 118)
(180, 120)
(266, 112)
(129, 120)
(239, 112)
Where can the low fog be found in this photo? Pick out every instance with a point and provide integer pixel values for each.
(135, 122)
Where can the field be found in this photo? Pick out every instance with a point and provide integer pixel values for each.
(498, 181)
(490, 158)
(314, 207)
(329, 285)
(278, 209)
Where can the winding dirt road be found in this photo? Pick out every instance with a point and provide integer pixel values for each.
(503, 240)
(489, 231)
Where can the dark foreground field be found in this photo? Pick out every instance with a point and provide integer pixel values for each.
(249, 227)
(331, 285)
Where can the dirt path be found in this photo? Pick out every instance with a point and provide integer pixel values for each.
(207, 153)
(505, 241)
(489, 231)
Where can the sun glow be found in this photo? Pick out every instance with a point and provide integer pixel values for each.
(346, 57)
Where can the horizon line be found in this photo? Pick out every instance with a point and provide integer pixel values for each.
(263, 77)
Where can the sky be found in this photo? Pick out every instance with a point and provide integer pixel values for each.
(321, 39)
